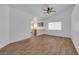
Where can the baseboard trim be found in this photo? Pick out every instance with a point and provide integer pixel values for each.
(57, 35)
(77, 49)
(13, 42)
(4, 45)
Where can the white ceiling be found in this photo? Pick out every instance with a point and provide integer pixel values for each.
(35, 9)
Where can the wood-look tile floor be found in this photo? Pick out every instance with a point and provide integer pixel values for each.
(41, 45)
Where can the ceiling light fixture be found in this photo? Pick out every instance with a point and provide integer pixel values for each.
(48, 11)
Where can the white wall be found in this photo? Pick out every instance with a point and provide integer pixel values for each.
(15, 25)
(75, 27)
(65, 18)
(20, 25)
(4, 25)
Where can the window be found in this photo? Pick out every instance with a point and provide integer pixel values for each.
(55, 26)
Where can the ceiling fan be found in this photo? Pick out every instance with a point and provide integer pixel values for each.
(49, 10)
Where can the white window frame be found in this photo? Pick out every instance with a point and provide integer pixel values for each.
(55, 26)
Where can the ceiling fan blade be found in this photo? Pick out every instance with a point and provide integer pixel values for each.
(53, 11)
(44, 10)
(51, 8)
